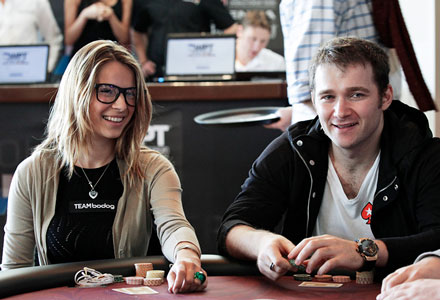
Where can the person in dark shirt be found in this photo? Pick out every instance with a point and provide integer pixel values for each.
(86, 21)
(91, 190)
(153, 20)
(355, 189)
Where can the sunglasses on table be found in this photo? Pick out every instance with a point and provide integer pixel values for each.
(109, 93)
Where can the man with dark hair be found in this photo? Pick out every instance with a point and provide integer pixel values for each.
(253, 35)
(356, 188)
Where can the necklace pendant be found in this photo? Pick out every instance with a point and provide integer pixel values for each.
(93, 194)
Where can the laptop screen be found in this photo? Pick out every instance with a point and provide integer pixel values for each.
(200, 54)
(23, 63)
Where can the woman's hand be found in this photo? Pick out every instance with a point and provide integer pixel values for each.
(181, 277)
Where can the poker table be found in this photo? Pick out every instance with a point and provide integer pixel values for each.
(227, 280)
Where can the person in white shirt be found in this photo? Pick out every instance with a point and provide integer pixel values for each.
(26, 22)
(253, 35)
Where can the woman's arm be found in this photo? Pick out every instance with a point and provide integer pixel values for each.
(19, 239)
(74, 24)
(120, 28)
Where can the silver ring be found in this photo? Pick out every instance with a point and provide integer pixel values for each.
(271, 266)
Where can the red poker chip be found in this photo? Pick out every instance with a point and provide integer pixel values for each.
(324, 277)
(341, 278)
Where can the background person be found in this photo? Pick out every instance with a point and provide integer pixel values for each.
(153, 20)
(253, 35)
(22, 22)
(86, 21)
(418, 281)
(367, 167)
(90, 189)
(307, 24)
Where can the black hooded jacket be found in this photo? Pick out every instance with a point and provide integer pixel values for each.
(284, 189)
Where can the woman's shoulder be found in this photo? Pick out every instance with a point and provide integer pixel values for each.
(151, 157)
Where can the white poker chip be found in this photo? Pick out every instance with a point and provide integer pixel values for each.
(153, 281)
(156, 274)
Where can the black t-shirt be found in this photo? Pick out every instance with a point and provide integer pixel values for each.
(81, 228)
(158, 18)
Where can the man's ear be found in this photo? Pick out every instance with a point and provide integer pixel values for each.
(387, 97)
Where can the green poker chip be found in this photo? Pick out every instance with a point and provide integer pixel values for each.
(118, 278)
(301, 268)
(302, 277)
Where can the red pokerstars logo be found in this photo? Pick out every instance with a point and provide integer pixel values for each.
(366, 212)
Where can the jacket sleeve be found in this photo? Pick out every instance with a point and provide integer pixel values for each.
(422, 187)
(166, 206)
(19, 239)
(264, 194)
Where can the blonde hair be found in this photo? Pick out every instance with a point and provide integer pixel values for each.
(256, 18)
(69, 127)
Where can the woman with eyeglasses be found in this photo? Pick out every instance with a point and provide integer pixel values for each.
(90, 189)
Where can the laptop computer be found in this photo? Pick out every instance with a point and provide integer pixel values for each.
(23, 64)
(199, 57)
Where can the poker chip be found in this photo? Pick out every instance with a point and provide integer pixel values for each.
(341, 278)
(143, 268)
(302, 277)
(134, 280)
(153, 281)
(324, 277)
(155, 274)
(301, 268)
(118, 278)
(364, 277)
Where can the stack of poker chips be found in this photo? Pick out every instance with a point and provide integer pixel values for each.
(154, 277)
(143, 268)
(146, 275)
(364, 277)
(341, 278)
(324, 277)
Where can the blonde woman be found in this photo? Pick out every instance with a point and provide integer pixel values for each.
(90, 189)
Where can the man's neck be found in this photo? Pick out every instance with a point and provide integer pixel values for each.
(352, 168)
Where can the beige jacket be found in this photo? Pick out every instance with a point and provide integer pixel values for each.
(32, 199)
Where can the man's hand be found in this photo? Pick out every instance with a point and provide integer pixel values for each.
(427, 268)
(271, 259)
(326, 252)
(420, 289)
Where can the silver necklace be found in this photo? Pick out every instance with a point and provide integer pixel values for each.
(93, 193)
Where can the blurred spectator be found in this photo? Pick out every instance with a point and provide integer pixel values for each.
(253, 35)
(25, 22)
(89, 20)
(306, 24)
(153, 20)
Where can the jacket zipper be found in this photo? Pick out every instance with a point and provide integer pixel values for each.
(311, 185)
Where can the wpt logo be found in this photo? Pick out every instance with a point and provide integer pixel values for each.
(15, 58)
(200, 50)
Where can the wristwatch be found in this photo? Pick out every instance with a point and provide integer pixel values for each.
(368, 249)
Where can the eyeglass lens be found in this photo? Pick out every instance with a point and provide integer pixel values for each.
(109, 93)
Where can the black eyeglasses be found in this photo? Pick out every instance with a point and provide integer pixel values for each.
(109, 93)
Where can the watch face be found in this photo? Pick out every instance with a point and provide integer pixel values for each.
(369, 247)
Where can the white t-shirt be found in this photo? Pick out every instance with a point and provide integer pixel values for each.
(265, 61)
(343, 217)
